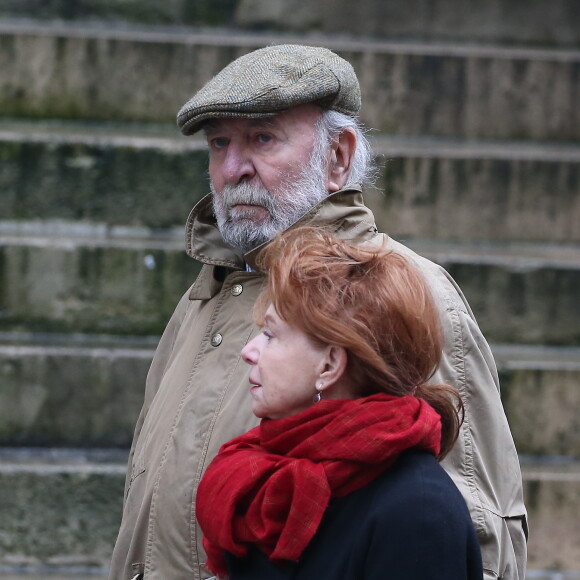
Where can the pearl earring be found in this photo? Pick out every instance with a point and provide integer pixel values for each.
(318, 395)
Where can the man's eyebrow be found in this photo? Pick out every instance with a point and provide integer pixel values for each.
(210, 128)
(213, 127)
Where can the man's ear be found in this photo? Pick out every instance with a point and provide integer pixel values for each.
(333, 373)
(342, 151)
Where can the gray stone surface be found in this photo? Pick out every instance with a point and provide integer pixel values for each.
(516, 199)
(542, 408)
(78, 391)
(117, 12)
(87, 396)
(67, 287)
(92, 217)
(59, 511)
(522, 303)
(99, 182)
(535, 22)
(551, 491)
(408, 89)
(63, 573)
(151, 176)
(131, 286)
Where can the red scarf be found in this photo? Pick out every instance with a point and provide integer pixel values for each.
(271, 486)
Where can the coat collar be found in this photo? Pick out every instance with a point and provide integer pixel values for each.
(343, 211)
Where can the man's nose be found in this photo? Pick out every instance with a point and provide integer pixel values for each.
(238, 165)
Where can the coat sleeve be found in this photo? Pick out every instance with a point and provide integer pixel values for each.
(483, 463)
(155, 374)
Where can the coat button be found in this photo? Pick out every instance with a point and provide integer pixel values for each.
(237, 289)
(216, 339)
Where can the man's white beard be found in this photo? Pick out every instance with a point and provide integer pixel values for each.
(296, 196)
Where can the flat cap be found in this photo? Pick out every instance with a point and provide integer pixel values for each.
(273, 79)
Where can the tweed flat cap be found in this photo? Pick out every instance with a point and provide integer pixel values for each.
(273, 79)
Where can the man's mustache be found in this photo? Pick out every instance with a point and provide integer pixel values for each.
(247, 194)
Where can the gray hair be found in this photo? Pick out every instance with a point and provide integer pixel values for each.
(362, 170)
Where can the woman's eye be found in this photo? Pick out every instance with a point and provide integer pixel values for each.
(267, 334)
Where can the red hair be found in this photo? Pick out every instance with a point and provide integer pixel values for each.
(373, 303)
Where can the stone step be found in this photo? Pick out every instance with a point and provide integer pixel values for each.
(62, 507)
(497, 21)
(409, 88)
(144, 176)
(44, 572)
(552, 496)
(74, 277)
(488, 22)
(61, 510)
(541, 397)
(122, 12)
(150, 175)
(475, 191)
(520, 293)
(85, 391)
(126, 286)
(71, 390)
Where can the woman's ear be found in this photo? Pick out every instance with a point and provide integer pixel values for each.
(342, 151)
(333, 375)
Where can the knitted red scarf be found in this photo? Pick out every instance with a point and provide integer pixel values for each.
(271, 486)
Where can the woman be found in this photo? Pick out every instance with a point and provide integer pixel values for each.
(341, 479)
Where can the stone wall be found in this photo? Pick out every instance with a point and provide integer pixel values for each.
(485, 93)
(476, 133)
(535, 22)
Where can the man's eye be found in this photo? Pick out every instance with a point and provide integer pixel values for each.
(263, 138)
(219, 142)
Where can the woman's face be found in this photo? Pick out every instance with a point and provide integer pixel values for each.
(286, 365)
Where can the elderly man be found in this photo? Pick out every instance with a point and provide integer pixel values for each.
(285, 148)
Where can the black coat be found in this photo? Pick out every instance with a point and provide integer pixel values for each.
(411, 523)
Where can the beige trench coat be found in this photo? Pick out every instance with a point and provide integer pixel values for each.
(197, 397)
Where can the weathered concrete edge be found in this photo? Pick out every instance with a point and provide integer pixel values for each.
(389, 146)
(113, 462)
(65, 235)
(508, 356)
(16, 572)
(234, 37)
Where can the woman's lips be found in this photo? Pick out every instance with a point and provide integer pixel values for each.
(254, 385)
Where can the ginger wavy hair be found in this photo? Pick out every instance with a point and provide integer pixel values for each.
(372, 302)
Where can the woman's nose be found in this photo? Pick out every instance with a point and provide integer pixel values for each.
(250, 352)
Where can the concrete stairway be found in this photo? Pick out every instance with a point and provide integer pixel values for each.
(479, 156)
